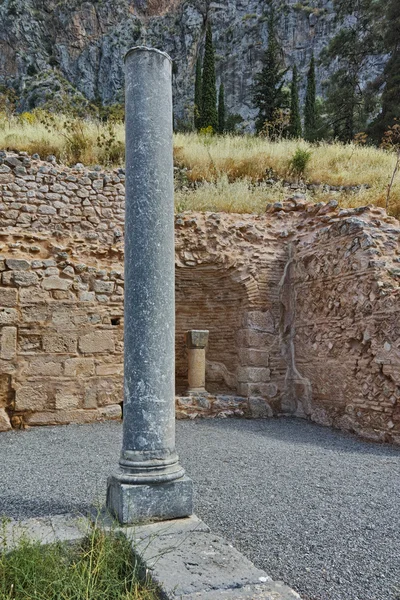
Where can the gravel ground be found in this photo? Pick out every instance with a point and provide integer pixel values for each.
(316, 508)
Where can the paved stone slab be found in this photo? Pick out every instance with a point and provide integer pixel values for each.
(273, 590)
(190, 562)
(46, 530)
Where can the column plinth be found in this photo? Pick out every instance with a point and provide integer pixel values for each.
(150, 483)
(196, 342)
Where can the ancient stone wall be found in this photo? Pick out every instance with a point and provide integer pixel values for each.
(41, 196)
(302, 305)
(346, 328)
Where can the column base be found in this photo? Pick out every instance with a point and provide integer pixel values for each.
(139, 503)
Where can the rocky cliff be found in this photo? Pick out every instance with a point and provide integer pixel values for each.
(47, 45)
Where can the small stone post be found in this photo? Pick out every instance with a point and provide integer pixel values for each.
(150, 483)
(196, 342)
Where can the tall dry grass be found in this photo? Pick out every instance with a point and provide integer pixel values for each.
(225, 173)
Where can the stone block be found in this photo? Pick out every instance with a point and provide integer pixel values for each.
(249, 338)
(114, 369)
(139, 503)
(259, 321)
(44, 366)
(16, 264)
(253, 374)
(56, 283)
(259, 408)
(29, 296)
(8, 316)
(24, 278)
(77, 367)
(113, 412)
(8, 343)
(196, 338)
(254, 389)
(66, 400)
(5, 424)
(8, 297)
(103, 287)
(31, 397)
(97, 341)
(63, 342)
(204, 561)
(252, 357)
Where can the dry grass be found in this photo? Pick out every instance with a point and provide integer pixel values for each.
(223, 173)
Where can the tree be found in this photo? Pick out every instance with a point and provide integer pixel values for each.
(197, 95)
(349, 100)
(295, 120)
(269, 95)
(209, 115)
(390, 101)
(221, 109)
(310, 108)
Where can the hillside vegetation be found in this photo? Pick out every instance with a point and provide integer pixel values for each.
(223, 173)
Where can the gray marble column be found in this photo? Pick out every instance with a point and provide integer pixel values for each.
(151, 483)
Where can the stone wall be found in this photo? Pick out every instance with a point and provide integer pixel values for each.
(302, 305)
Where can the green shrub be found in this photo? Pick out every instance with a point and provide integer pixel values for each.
(299, 162)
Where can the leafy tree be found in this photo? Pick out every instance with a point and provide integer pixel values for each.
(209, 115)
(221, 109)
(269, 95)
(295, 130)
(390, 100)
(349, 99)
(310, 108)
(197, 95)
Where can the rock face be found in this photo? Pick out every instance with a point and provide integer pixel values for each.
(302, 305)
(43, 46)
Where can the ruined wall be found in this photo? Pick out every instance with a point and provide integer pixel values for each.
(346, 335)
(302, 305)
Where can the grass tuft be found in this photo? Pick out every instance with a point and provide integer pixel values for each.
(101, 567)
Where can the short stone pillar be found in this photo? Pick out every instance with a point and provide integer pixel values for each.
(196, 342)
(150, 484)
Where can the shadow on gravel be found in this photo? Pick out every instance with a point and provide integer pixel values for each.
(299, 432)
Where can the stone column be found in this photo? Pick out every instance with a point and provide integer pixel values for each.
(196, 342)
(150, 483)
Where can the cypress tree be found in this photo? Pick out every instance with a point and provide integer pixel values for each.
(209, 115)
(295, 120)
(221, 109)
(310, 108)
(390, 112)
(197, 95)
(268, 87)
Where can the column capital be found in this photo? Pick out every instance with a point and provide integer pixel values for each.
(197, 338)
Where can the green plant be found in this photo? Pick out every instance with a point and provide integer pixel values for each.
(300, 161)
(209, 115)
(294, 129)
(101, 566)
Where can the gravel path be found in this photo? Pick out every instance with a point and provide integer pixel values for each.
(314, 507)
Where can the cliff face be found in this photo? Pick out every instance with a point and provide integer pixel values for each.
(45, 42)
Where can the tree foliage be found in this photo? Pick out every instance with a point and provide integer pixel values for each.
(209, 115)
(295, 129)
(352, 50)
(197, 95)
(310, 107)
(269, 94)
(221, 109)
(390, 102)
